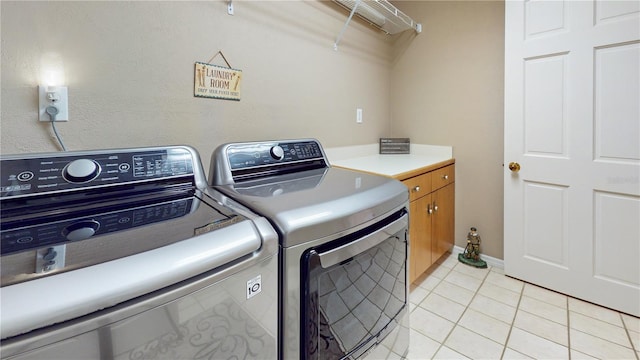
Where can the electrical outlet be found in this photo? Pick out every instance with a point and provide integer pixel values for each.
(53, 96)
(359, 115)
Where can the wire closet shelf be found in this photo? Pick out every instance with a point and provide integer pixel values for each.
(380, 13)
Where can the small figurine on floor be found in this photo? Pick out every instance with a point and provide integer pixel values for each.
(471, 255)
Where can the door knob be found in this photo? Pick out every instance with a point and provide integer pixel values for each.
(514, 166)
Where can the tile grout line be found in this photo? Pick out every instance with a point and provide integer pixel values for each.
(568, 312)
(418, 304)
(543, 318)
(623, 327)
(441, 343)
(441, 280)
(461, 315)
(506, 341)
(521, 294)
(475, 293)
(626, 329)
(465, 310)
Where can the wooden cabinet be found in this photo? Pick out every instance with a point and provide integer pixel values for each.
(442, 236)
(432, 213)
(420, 240)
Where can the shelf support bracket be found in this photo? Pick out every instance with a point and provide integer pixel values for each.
(344, 28)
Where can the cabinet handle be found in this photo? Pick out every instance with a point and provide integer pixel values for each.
(435, 207)
(445, 177)
(416, 189)
(429, 209)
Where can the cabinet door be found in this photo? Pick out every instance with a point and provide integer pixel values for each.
(443, 221)
(420, 236)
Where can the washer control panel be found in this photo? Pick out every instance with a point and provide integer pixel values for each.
(249, 155)
(30, 175)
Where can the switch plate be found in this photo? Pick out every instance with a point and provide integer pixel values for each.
(62, 102)
(359, 115)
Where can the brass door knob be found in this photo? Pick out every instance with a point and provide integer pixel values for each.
(514, 166)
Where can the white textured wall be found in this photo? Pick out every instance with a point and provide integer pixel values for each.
(448, 89)
(129, 68)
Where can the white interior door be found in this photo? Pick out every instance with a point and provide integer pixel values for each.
(572, 123)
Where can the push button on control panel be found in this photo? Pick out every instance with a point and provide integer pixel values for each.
(81, 171)
(25, 176)
(124, 167)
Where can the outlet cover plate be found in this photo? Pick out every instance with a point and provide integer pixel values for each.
(62, 103)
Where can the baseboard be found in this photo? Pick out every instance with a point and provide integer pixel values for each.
(491, 261)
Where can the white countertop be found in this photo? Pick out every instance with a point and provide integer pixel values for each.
(367, 158)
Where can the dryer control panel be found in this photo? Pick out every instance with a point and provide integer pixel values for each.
(249, 155)
(237, 162)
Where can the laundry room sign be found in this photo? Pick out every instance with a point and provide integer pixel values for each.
(217, 82)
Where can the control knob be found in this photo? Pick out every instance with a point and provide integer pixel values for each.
(277, 152)
(81, 171)
(81, 230)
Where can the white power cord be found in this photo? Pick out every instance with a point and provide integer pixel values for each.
(52, 111)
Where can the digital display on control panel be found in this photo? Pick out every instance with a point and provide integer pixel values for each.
(158, 164)
(303, 151)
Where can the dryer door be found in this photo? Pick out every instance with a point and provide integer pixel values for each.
(354, 291)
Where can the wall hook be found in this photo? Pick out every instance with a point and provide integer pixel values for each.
(230, 7)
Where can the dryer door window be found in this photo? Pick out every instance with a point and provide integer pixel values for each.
(354, 303)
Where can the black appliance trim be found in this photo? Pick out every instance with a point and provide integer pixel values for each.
(310, 264)
(276, 170)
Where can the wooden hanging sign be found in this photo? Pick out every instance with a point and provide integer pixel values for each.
(217, 82)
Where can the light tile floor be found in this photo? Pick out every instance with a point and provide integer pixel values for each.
(462, 312)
